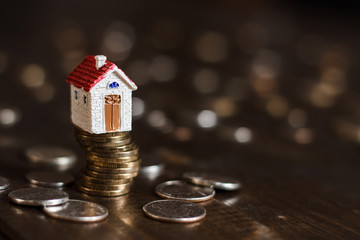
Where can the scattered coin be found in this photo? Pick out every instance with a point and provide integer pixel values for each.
(58, 157)
(174, 211)
(180, 190)
(4, 183)
(212, 180)
(50, 179)
(38, 196)
(77, 210)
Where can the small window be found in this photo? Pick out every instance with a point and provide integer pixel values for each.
(113, 85)
(76, 94)
(84, 99)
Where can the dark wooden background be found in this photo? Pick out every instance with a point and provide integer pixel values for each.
(286, 80)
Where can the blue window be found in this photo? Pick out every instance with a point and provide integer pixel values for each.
(84, 99)
(113, 85)
(76, 96)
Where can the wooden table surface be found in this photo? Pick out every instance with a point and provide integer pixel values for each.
(299, 181)
(278, 201)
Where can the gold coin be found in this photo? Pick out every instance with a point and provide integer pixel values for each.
(111, 134)
(135, 163)
(117, 154)
(100, 153)
(110, 175)
(114, 149)
(123, 147)
(102, 181)
(104, 187)
(106, 193)
(101, 139)
(114, 155)
(117, 160)
(96, 138)
(119, 143)
(112, 170)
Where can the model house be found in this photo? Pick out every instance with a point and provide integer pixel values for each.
(101, 100)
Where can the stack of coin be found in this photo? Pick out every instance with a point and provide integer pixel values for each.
(112, 161)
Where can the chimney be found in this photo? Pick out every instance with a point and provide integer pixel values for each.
(100, 61)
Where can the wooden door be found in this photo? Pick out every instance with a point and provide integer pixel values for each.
(112, 112)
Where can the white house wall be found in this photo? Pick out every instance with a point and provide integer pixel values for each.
(80, 111)
(98, 93)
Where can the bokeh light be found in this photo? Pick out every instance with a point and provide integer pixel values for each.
(45, 92)
(237, 88)
(303, 135)
(163, 68)
(206, 80)
(156, 118)
(320, 97)
(183, 134)
(224, 107)
(333, 81)
(33, 75)
(207, 119)
(211, 47)
(167, 127)
(267, 64)
(297, 118)
(265, 87)
(277, 106)
(119, 38)
(9, 116)
(138, 107)
(243, 135)
(347, 130)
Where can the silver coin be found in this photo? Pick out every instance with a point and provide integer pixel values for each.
(77, 210)
(180, 190)
(174, 211)
(38, 196)
(4, 183)
(50, 179)
(52, 156)
(212, 180)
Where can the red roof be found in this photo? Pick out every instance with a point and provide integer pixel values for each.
(86, 76)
